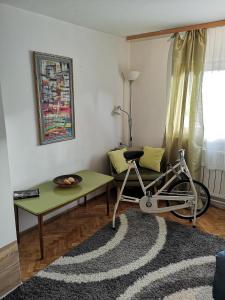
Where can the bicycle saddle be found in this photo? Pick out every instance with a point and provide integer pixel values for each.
(131, 155)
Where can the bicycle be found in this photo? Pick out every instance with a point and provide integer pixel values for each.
(185, 198)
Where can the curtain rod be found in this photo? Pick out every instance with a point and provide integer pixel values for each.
(177, 29)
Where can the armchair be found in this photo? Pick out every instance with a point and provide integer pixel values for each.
(146, 174)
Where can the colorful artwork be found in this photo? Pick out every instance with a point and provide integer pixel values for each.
(54, 80)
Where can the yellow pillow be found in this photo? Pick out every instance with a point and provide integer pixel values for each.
(152, 158)
(118, 160)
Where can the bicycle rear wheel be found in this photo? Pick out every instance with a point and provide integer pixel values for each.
(185, 186)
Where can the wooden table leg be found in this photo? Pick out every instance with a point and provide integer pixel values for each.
(85, 200)
(108, 198)
(40, 229)
(16, 210)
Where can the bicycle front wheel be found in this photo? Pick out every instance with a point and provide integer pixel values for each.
(184, 186)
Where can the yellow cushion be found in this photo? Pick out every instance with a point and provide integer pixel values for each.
(152, 158)
(118, 161)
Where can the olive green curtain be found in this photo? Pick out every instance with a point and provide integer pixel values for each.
(184, 127)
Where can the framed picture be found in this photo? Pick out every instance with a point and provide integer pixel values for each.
(54, 85)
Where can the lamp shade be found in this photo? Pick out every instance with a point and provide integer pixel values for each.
(132, 75)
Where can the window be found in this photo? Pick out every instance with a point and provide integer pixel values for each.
(213, 96)
(214, 106)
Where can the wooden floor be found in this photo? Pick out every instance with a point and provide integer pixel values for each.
(77, 225)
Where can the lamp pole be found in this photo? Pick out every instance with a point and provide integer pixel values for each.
(116, 111)
(130, 116)
(130, 77)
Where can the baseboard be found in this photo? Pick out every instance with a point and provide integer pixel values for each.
(9, 268)
(218, 203)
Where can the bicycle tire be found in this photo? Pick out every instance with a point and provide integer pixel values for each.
(198, 214)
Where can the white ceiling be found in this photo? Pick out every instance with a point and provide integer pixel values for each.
(127, 17)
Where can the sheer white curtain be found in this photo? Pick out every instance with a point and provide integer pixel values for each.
(213, 90)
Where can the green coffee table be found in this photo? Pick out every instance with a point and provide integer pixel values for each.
(52, 198)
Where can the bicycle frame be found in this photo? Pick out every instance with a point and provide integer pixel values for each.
(190, 200)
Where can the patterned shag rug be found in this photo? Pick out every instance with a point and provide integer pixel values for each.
(146, 257)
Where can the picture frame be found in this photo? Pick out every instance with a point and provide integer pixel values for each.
(55, 97)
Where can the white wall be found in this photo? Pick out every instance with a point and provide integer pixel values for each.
(149, 98)
(7, 224)
(98, 61)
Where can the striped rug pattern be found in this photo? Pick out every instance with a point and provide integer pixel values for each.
(146, 257)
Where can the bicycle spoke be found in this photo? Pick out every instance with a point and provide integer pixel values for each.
(203, 199)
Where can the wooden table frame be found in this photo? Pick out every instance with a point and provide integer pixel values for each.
(40, 216)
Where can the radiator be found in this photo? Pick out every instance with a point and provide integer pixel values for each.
(214, 180)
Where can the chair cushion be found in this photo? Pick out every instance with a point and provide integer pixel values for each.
(152, 158)
(146, 175)
(118, 160)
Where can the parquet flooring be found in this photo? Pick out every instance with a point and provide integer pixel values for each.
(77, 225)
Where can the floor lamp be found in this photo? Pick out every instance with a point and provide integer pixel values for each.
(130, 76)
(117, 111)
